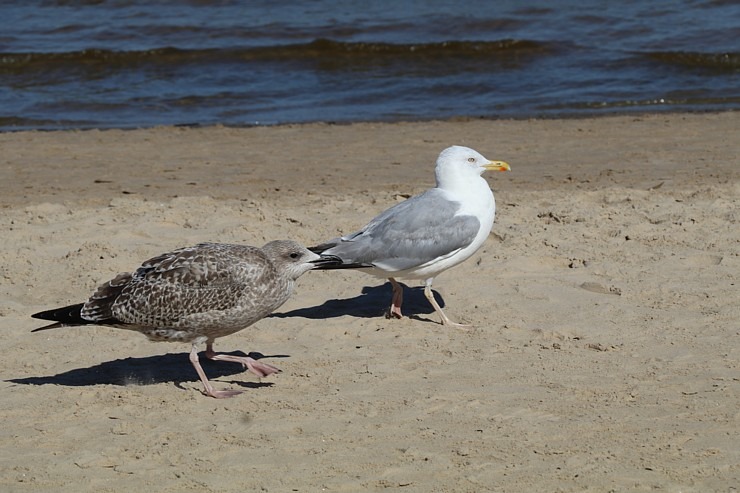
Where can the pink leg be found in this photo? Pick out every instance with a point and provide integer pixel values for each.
(209, 390)
(259, 369)
(396, 300)
(430, 296)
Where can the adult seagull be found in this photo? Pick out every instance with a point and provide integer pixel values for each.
(426, 234)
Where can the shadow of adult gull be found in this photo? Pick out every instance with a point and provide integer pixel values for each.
(366, 305)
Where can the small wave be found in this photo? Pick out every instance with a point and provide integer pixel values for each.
(445, 48)
(321, 49)
(17, 123)
(671, 103)
(715, 62)
(18, 62)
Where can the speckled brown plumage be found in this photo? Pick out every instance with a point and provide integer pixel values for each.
(197, 294)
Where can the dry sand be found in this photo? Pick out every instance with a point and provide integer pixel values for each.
(605, 309)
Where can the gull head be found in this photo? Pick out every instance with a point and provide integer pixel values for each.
(459, 161)
(292, 259)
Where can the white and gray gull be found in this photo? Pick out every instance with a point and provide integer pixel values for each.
(426, 234)
(197, 294)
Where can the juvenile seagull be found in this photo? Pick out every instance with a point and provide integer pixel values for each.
(428, 233)
(197, 294)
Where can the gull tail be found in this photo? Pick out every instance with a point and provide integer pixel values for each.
(326, 262)
(342, 265)
(65, 316)
(320, 249)
(334, 261)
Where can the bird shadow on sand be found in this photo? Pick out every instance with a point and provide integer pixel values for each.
(149, 370)
(373, 302)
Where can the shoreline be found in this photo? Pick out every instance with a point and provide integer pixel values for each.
(450, 119)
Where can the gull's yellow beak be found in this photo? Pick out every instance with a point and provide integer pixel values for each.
(497, 166)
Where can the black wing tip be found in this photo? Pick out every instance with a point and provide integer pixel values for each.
(330, 262)
(62, 312)
(63, 316)
(43, 315)
(319, 249)
(334, 266)
(47, 327)
(325, 261)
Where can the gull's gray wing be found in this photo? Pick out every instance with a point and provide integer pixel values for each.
(407, 235)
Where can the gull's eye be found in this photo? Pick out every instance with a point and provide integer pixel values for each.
(471, 159)
(295, 255)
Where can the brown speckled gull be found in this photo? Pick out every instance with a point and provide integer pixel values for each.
(197, 294)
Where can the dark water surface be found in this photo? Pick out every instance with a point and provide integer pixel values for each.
(124, 64)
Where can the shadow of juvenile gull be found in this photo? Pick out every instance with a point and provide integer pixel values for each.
(148, 370)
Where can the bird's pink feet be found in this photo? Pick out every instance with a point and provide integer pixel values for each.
(445, 320)
(221, 394)
(396, 300)
(259, 369)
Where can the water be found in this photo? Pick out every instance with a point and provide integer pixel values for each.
(136, 63)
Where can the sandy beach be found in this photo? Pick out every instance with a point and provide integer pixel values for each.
(604, 347)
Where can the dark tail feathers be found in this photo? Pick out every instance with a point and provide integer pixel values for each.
(319, 249)
(338, 263)
(332, 266)
(64, 316)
